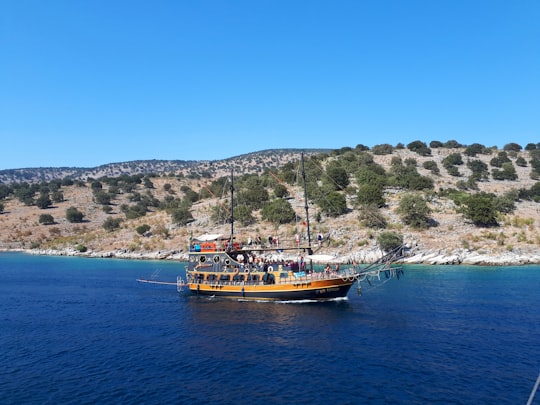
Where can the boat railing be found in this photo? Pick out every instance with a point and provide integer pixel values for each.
(299, 277)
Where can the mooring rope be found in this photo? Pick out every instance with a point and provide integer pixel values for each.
(533, 393)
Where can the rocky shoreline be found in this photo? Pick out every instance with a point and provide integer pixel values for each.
(415, 256)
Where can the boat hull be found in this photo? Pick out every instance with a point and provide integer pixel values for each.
(318, 291)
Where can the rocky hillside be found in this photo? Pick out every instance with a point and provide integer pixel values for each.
(255, 162)
(450, 238)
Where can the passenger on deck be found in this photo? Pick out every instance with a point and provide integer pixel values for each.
(327, 269)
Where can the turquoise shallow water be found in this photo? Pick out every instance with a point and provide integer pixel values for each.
(83, 331)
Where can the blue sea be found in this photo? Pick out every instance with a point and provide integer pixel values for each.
(83, 331)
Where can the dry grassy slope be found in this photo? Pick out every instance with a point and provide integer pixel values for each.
(20, 227)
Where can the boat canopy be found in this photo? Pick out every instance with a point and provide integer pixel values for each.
(209, 237)
(321, 258)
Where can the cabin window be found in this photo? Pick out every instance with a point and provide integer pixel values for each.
(202, 259)
(216, 259)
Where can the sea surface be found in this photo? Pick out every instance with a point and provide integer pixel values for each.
(83, 331)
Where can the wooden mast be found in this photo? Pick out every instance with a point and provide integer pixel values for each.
(231, 241)
(310, 250)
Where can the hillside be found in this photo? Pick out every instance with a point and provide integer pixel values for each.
(451, 238)
(255, 162)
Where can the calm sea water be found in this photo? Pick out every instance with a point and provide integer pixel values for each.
(83, 331)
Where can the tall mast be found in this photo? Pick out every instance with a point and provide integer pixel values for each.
(232, 210)
(306, 205)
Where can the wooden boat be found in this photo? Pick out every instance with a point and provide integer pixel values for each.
(221, 267)
(213, 270)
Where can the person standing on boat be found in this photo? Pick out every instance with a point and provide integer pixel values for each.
(327, 269)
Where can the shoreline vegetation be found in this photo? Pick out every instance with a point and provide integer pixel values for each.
(448, 203)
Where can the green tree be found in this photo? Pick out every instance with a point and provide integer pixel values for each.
(142, 229)
(73, 215)
(333, 204)
(521, 162)
(365, 175)
(25, 194)
(112, 224)
(480, 209)
(369, 194)
(371, 217)
(508, 172)
(134, 211)
(43, 201)
(280, 191)
(383, 149)
(388, 241)
(475, 148)
(419, 147)
(244, 215)
(253, 194)
(338, 176)
(96, 185)
(5, 191)
(512, 147)
(452, 144)
(453, 171)
(479, 169)
(58, 196)
(414, 211)
(181, 216)
(453, 159)
(407, 177)
(46, 219)
(431, 165)
(102, 197)
(278, 212)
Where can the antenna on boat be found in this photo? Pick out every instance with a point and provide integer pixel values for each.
(232, 209)
(310, 251)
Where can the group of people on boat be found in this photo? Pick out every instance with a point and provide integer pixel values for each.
(328, 270)
(250, 261)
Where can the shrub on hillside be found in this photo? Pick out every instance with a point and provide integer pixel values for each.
(46, 219)
(112, 224)
(414, 211)
(73, 215)
(388, 241)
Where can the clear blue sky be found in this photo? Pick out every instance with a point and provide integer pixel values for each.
(84, 83)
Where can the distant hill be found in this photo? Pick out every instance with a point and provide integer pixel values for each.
(255, 162)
